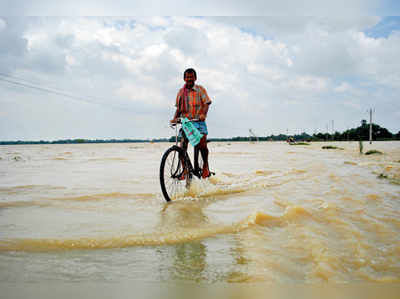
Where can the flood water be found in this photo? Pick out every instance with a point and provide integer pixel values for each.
(272, 213)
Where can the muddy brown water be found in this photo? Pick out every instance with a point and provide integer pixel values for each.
(272, 213)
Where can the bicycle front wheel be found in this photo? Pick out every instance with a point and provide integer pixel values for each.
(172, 179)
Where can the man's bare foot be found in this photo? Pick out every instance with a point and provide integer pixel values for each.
(206, 173)
(183, 175)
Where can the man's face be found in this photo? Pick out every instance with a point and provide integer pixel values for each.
(189, 79)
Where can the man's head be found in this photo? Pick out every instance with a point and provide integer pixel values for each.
(189, 76)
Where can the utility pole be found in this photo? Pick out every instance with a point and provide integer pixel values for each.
(252, 135)
(327, 132)
(370, 126)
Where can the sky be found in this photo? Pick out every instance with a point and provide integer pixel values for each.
(71, 72)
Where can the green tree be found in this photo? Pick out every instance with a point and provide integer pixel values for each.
(397, 136)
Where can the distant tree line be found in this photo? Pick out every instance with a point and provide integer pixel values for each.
(80, 140)
(359, 133)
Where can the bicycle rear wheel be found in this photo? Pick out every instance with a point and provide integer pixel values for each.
(172, 172)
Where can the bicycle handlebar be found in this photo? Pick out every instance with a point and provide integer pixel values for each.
(179, 121)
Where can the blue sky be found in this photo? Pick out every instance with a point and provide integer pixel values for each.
(388, 8)
(385, 27)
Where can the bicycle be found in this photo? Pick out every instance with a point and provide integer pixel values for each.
(177, 170)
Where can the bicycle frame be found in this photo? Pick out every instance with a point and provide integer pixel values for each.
(187, 158)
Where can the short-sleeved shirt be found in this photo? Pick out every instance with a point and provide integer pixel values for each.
(196, 98)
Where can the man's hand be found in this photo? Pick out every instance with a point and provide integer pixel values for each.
(202, 117)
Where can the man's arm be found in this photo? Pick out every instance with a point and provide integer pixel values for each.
(205, 103)
(204, 111)
(178, 108)
(176, 115)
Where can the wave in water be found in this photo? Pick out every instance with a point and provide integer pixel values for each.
(82, 198)
(152, 239)
(230, 184)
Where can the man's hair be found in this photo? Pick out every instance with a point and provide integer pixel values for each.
(192, 71)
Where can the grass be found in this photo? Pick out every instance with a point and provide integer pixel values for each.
(382, 176)
(332, 147)
(373, 152)
(393, 180)
(300, 143)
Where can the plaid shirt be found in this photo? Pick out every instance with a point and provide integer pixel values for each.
(196, 99)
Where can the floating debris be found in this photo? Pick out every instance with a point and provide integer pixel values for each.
(300, 143)
(332, 147)
(372, 152)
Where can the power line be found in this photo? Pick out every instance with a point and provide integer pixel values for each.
(19, 78)
(30, 82)
(55, 92)
(47, 90)
(52, 89)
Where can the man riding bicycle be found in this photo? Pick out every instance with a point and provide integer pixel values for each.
(192, 102)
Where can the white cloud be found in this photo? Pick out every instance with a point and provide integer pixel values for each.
(143, 94)
(264, 72)
(308, 83)
(3, 24)
(379, 58)
(294, 27)
(343, 87)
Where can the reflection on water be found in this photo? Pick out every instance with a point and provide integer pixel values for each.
(189, 257)
(189, 261)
